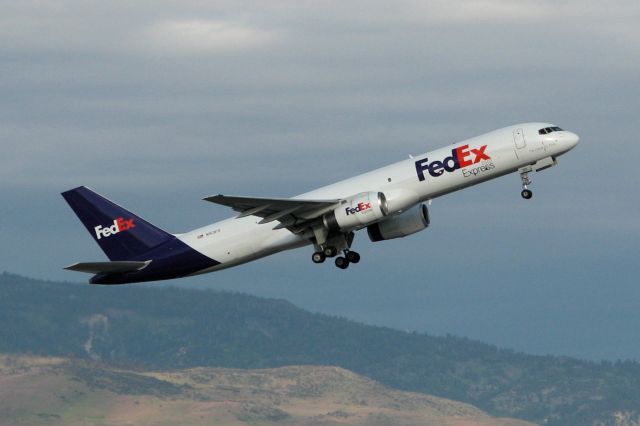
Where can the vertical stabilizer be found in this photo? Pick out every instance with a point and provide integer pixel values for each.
(120, 234)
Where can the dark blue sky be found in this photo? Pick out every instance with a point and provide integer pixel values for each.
(157, 105)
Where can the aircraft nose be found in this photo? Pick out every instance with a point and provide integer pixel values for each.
(570, 140)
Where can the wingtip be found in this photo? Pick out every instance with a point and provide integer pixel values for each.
(213, 197)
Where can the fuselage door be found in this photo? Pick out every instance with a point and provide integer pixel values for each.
(518, 139)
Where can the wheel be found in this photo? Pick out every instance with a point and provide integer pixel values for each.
(342, 263)
(330, 251)
(353, 256)
(526, 194)
(318, 257)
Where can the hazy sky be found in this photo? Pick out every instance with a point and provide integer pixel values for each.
(157, 104)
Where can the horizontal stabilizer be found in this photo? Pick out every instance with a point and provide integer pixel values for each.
(108, 267)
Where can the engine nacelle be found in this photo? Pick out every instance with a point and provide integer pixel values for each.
(400, 225)
(400, 200)
(357, 211)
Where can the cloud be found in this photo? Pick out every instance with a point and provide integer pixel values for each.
(466, 11)
(203, 36)
(76, 26)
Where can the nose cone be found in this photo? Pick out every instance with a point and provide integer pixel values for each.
(570, 140)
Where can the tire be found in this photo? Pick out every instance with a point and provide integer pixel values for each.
(342, 263)
(330, 251)
(526, 194)
(353, 257)
(318, 257)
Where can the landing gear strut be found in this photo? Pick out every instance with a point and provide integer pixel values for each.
(524, 176)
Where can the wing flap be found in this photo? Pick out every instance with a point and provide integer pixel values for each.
(251, 211)
(108, 267)
(279, 215)
(288, 211)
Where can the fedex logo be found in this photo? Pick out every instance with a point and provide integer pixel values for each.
(462, 156)
(119, 225)
(359, 208)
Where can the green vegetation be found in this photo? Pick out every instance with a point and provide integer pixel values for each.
(169, 328)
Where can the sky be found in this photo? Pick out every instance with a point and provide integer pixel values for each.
(157, 104)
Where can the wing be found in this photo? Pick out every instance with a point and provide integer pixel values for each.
(290, 212)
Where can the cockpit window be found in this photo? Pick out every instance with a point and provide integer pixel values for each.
(549, 130)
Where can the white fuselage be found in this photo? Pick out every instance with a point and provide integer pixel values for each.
(239, 240)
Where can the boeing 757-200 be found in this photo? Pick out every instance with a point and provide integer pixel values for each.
(390, 202)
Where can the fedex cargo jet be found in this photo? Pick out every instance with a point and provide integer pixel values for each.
(390, 202)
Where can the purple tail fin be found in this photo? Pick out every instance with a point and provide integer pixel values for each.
(120, 234)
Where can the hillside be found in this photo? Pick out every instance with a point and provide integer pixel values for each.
(169, 328)
(59, 391)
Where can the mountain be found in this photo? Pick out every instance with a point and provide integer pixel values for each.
(60, 391)
(162, 328)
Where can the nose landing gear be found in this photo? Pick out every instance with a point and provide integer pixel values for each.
(524, 176)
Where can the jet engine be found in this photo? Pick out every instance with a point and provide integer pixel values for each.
(400, 225)
(357, 211)
(400, 200)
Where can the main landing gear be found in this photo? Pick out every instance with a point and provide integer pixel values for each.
(330, 245)
(321, 255)
(349, 257)
(341, 262)
(318, 257)
(524, 176)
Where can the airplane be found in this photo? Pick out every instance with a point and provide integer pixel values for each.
(390, 202)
